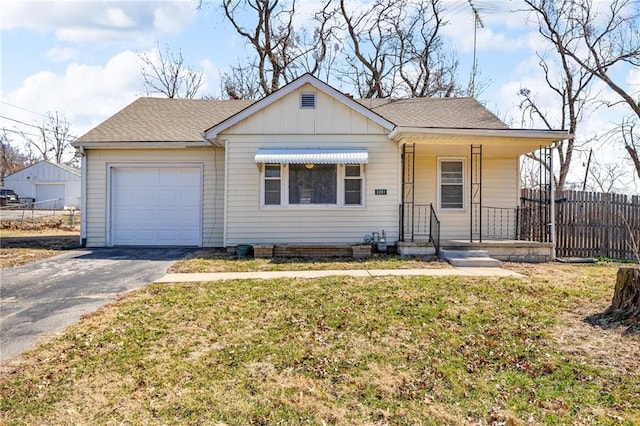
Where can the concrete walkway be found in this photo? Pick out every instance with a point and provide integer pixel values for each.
(439, 272)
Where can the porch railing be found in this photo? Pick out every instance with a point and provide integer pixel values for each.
(434, 229)
(512, 223)
(419, 221)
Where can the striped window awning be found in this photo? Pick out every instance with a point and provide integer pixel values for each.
(313, 155)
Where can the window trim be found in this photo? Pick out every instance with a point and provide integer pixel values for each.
(264, 180)
(345, 178)
(340, 188)
(462, 160)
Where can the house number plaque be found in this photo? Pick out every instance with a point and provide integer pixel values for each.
(381, 192)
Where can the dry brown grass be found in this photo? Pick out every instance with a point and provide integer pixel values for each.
(218, 260)
(598, 346)
(20, 246)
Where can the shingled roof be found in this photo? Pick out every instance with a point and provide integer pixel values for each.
(447, 113)
(184, 120)
(164, 120)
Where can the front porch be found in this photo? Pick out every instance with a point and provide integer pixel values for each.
(481, 210)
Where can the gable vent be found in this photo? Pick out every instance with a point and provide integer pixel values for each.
(307, 100)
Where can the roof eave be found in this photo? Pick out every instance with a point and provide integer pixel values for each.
(139, 144)
(545, 135)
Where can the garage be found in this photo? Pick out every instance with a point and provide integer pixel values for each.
(50, 196)
(155, 206)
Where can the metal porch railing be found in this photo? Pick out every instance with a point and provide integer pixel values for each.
(513, 223)
(419, 221)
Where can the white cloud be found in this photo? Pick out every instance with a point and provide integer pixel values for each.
(115, 17)
(104, 21)
(85, 94)
(212, 73)
(173, 17)
(61, 54)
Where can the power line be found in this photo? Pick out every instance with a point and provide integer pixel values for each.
(23, 109)
(18, 132)
(43, 127)
(21, 122)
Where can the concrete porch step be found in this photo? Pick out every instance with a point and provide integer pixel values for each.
(469, 258)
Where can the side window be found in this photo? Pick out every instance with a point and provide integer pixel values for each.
(451, 176)
(352, 184)
(272, 184)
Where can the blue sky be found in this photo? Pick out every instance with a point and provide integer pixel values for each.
(81, 58)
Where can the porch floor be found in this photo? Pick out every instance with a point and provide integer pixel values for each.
(504, 250)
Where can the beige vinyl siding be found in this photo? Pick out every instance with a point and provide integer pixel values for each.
(211, 159)
(285, 117)
(329, 125)
(248, 222)
(500, 185)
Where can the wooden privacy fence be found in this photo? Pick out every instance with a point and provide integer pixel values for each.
(588, 224)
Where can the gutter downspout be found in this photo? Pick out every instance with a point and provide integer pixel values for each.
(83, 197)
(225, 188)
(225, 196)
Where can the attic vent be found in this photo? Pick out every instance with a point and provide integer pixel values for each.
(307, 100)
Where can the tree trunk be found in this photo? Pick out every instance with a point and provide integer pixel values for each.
(625, 305)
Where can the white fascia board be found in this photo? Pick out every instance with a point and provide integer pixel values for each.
(140, 144)
(214, 131)
(547, 135)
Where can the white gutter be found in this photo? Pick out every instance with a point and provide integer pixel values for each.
(141, 144)
(549, 135)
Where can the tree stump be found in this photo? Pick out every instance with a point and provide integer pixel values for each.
(625, 305)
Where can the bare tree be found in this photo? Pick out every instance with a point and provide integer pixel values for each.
(570, 83)
(573, 93)
(241, 82)
(386, 48)
(631, 142)
(282, 51)
(394, 47)
(11, 159)
(598, 39)
(167, 73)
(607, 177)
(53, 142)
(425, 68)
(371, 56)
(529, 173)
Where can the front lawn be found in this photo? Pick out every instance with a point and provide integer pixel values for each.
(339, 350)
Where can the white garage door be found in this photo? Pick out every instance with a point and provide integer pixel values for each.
(156, 206)
(50, 196)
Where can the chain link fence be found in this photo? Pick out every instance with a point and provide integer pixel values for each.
(60, 212)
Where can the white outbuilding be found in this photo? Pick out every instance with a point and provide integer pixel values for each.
(51, 185)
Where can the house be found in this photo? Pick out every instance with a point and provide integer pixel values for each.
(51, 185)
(304, 165)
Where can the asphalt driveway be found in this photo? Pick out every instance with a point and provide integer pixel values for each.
(43, 298)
